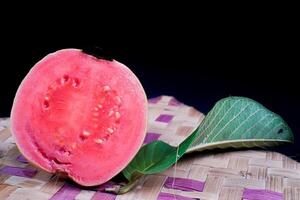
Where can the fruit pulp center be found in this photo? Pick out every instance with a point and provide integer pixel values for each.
(79, 114)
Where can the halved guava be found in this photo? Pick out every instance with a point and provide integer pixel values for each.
(79, 115)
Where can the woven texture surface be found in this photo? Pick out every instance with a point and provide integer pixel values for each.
(231, 175)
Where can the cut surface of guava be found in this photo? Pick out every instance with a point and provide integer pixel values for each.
(79, 115)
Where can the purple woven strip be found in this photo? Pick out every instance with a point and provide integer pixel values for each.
(174, 102)
(150, 137)
(167, 196)
(154, 100)
(103, 196)
(18, 171)
(22, 159)
(184, 184)
(164, 118)
(66, 192)
(253, 194)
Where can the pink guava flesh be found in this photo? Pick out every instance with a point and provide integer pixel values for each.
(79, 115)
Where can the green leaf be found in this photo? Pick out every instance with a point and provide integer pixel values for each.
(233, 122)
(156, 157)
(240, 122)
(153, 158)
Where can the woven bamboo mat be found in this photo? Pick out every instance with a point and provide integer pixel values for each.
(228, 175)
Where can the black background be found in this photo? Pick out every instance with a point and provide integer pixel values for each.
(197, 61)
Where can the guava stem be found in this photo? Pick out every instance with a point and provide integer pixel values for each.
(122, 189)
